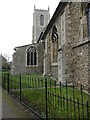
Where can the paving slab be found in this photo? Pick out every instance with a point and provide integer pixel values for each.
(11, 108)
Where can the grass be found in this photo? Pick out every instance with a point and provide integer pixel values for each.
(33, 80)
(33, 94)
(57, 106)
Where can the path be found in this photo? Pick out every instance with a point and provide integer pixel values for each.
(11, 108)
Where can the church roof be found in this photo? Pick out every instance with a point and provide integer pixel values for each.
(58, 10)
(23, 46)
(41, 35)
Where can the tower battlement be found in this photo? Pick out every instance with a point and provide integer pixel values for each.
(48, 10)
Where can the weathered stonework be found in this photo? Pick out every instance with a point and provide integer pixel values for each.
(80, 42)
(81, 65)
(20, 60)
(73, 54)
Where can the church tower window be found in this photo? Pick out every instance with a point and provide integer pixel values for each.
(31, 56)
(54, 45)
(42, 20)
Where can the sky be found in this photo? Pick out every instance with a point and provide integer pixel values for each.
(16, 21)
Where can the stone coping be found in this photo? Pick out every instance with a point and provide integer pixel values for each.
(82, 43)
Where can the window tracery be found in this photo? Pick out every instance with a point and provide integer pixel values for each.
(31, 56)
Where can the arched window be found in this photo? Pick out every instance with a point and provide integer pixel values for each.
(41, 20)
(88, 20)
(31, 56)
(86, 24)
(54, 45)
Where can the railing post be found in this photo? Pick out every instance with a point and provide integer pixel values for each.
(73, 90)
(87, 111)
(46, 98)
(66, 90)
(4, 81)
(81, 91)
(67, 98)
(8, 82)
(20, 88)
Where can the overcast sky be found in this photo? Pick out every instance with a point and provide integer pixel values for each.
(16, 21)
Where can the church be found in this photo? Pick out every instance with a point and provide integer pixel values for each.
(28, 59)
(60, 46)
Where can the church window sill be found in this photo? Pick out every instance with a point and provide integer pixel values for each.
(28, 66)
(54, 64)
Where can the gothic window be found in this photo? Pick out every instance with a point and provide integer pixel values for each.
(88, 20)
(31, 56)
(54, 45)
(86, 24)
(41, 20)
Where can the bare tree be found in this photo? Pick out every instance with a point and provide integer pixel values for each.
(7, 56)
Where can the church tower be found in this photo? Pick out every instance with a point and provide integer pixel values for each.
(40, 20)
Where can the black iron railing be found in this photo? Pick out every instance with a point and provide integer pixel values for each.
(46, 98)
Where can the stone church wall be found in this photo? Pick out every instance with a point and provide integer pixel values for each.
(73, 53)
(48, 56)
(80, 44)
(19, 60)
(81, 65)
(51, 69)
(73, 49)
(18, 65)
